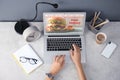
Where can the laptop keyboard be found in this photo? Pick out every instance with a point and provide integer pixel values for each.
(62, 44)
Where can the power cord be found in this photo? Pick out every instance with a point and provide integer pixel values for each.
(22, 24)
(36, 8)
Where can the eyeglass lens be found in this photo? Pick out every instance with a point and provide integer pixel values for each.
(31, 60)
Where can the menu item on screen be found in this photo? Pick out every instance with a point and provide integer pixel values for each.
(58, 24)
(63, 22)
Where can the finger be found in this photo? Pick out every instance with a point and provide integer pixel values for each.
(57, 58)
(61, 59)
(61, 56)
(74, 46)
(71, 52)
(54, 58)
(63, 63)
(64, 56)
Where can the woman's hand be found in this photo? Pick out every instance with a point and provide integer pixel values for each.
(75, 55)
(57, 64)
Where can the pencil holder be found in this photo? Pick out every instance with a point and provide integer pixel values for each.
(92, 27)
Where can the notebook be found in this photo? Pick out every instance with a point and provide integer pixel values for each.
(27, 58)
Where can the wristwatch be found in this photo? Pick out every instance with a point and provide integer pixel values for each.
(49, 75)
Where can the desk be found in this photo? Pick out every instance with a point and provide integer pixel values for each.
(96, 68)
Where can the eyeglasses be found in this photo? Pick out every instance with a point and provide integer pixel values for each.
(32, 61)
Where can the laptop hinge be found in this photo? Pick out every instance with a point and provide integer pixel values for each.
(63, 35)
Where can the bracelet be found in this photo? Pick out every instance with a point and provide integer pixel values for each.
(50, 75)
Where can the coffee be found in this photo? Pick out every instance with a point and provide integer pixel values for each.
(100, 37)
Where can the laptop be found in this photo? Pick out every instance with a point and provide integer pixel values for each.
(61, 30)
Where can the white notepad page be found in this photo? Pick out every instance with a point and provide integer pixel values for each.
(27, 58)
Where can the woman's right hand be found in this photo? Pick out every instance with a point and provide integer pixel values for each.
(75, 54)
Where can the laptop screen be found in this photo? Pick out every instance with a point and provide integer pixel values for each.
(64, 23)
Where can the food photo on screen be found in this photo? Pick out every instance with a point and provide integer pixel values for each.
(63, 23)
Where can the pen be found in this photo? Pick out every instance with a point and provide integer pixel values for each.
(94, 19)
(104, 22)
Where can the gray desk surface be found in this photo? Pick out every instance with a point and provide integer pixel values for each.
(96, 68)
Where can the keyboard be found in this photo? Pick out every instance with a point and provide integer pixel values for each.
(62, 44)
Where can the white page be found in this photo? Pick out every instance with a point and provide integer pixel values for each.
(27, 52)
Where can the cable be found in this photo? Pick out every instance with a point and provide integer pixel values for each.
(22, 24)
(36, 8)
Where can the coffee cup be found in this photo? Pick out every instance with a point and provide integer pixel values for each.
(101, 37)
